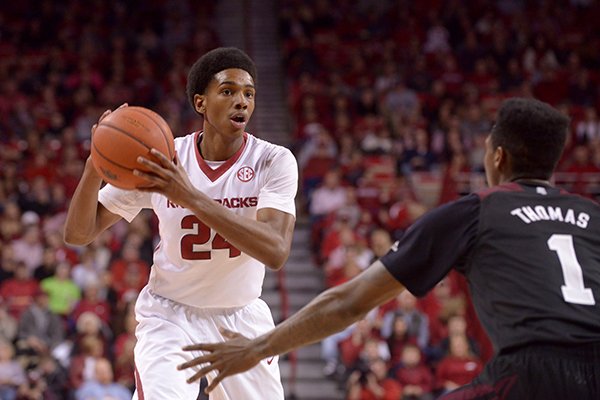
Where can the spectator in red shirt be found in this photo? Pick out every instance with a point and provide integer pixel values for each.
(351, 347)
(459, 367)
(93, 302)
(373, 383)
(129, 273)
(18, 292)
(81, 369)
(123, 352)
(414, 376)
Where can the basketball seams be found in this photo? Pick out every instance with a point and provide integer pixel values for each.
(108, 159)
(124, 132)
(151, 117)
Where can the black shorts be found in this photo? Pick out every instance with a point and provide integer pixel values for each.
(538, 372)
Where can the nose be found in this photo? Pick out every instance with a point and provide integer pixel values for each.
(241, 102)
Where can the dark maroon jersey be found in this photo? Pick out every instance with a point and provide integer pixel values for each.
(531, 255)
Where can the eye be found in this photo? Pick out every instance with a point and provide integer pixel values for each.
(226, 92)
(250, 95)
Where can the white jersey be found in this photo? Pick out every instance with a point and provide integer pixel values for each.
(194, 265)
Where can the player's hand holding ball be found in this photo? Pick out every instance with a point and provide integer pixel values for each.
(124, 135)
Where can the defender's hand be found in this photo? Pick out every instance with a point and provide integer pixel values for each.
(238, 354)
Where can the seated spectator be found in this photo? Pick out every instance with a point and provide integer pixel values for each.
(28, 248)
(352, 252)
(62, 291)
(103, 385)
(12, 375)
(54, 241)
(456, 326)
(352, 346)
(399, 339)
(581, 161)
(381, 242)
(123, 353)
(459, 367)
(373, 383)
(129, 273)
(8, 324)
(86, 272)
(417, 322)
(349, 269)
(92, 302)
(414, 376)
(89, 324)
(18, 292)
(48, 380)
(10, 220)
(330, 351)
(328, 197)
(418, 156)
(48, 266)
(7, 263)
(83, 362)
(40, 330)
(440, 304)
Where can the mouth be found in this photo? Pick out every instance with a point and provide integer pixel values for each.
(238, 120)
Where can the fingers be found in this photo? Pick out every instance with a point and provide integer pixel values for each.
(202, 372)
(200, 346)
(196, 361)
(152, 166)
(164, 160)
(214, 383)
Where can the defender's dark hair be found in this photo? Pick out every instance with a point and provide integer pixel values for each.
(533, 133)
(213, 62)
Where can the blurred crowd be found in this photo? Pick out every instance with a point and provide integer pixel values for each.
(66, 314)
(392, 101)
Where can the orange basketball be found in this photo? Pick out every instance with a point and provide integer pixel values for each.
(123, 136)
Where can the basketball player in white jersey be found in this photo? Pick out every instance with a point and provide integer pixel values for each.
(226, 210)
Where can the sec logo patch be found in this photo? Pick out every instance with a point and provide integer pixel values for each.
(245, 174)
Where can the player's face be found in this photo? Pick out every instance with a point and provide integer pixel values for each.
(229, 101)
(491, 172)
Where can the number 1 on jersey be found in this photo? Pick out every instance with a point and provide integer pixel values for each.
(573, 290)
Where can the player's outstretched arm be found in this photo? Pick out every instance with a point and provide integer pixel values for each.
(328, 313)
(267, 239)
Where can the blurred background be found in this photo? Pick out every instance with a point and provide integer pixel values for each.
(386, 105)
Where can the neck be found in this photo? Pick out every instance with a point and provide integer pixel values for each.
(217, 147)
(523, 179)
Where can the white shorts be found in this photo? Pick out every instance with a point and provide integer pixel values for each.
(166, 326)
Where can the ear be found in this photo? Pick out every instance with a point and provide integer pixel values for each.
(499, 157)
(200, 103)
(502, 161)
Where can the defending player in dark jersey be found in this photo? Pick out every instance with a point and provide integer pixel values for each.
(530, 253)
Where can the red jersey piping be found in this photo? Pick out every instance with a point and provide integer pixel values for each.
(214, 174)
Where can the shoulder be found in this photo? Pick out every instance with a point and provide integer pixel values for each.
(271, 156)
(268, 147)
(186, 140)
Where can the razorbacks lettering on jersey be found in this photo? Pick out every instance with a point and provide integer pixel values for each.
(531, 255)
(193, 264)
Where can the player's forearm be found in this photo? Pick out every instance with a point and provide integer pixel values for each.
(331, 311)
(80, 225)
(328, 313)
(255, 238)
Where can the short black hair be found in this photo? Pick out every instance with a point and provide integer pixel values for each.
(533, 133)
(213, 62)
